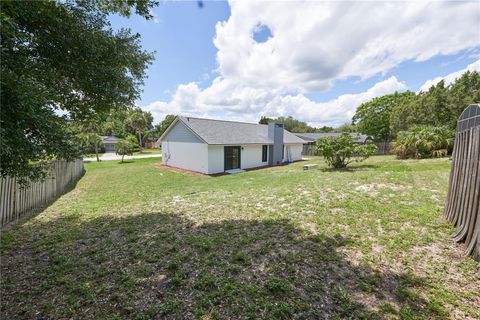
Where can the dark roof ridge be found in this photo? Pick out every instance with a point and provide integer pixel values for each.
(242, 122)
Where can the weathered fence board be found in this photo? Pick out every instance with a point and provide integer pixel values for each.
(18, 201)
(462, 208)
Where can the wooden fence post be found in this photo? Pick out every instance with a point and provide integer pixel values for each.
(462, 208)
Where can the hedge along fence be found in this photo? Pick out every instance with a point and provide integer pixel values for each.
(462, 208)
(18, 201)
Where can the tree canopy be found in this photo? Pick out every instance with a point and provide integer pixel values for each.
(290, 124)
(138, 122)
(161, 127)
(373, 117)
(62, 57)
(384, 117)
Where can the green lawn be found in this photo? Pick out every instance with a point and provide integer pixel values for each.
(92, 155)
(134, 241)
(148, 151)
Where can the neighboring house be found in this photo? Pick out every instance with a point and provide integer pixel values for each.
(310, 139)
(215, 146)
(149, 142)
(109, 143)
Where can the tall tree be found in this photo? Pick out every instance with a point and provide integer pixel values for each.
(162, 126)
(290, 124)
(62, 56)
(90, 134)
(91, 139)
(149, 119)
(265, 120)
(325, 129)
(346, 127)
(440, 105)
(373, 117)
(138, 122)
(464, 91)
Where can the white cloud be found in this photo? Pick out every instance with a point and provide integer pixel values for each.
(316, 43)
(450, 78)
(225, 100)
(313, 44)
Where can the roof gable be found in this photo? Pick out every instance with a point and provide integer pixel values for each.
(180, 132)
(110, 139)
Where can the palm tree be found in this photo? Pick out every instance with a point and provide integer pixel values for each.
(89, 134)
(423, 141)
(95, 140)
(123, 147)
(138, 122)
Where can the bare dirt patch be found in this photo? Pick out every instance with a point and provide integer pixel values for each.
(373, 189)
(179, 170)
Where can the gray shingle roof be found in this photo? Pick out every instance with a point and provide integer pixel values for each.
(230, 132)
(313, 137)
(110, 139)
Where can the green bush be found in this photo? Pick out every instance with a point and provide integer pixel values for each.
(423, 142)
(133, 140)
(341, 150)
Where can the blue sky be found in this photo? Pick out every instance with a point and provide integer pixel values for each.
(181, 34)
(263, 65)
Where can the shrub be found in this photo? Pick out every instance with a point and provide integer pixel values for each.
(423, 142)
(342, 150)
(133, 140)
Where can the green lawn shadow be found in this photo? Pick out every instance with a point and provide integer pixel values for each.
(126, 162)
(160, 265)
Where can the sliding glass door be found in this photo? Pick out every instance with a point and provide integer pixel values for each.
(232, 157)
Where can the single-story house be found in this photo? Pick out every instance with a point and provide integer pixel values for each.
(215, 146)
(310, 139)
(109, 143)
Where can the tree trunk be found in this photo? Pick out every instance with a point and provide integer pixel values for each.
(123, 155)
(96, 151)
(140, 140)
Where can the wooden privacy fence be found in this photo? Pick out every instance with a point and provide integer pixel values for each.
(18, 201)
(383, 147)
(309, 150)
(462, 208)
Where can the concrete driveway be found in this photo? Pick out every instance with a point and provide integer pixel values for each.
(112, 156)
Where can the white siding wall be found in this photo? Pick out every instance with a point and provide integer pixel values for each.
(295, 152)
(181, 148)
(252, 156)
(216, 159)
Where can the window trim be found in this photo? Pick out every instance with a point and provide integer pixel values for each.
(264, 153)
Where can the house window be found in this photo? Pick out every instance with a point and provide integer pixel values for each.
(264, 153)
